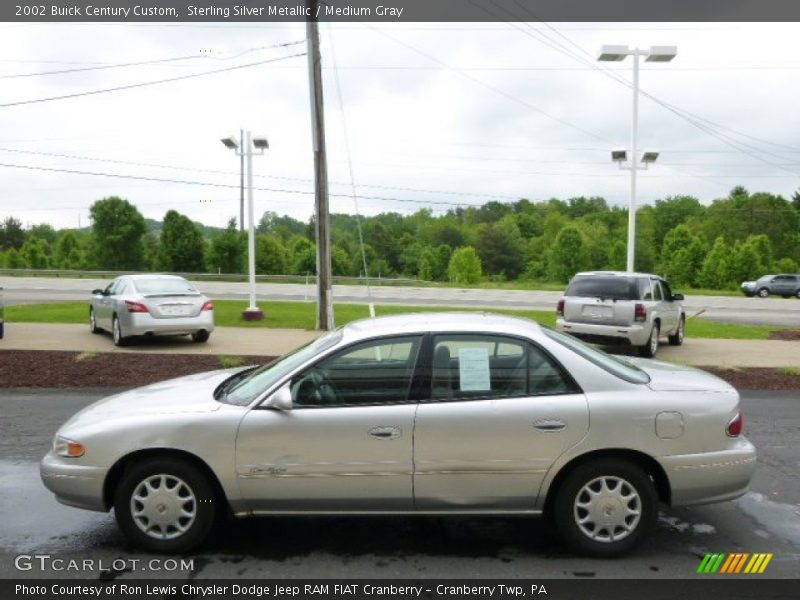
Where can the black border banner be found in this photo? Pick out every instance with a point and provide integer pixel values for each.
(729, 588)
(398, 11)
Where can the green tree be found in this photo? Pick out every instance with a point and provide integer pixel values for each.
(745, 264)
(68, 253)
(617, 256)
(181, 247)
(12, 235)
(567, 255)
(786, 265)
(716, 271)
(465, 266)
(673, 211)
(340, 261)
(34, 253)
(682, 256)
(270, 255)
(226, 250)
(500, 248)
(117, 230)
(14, 260)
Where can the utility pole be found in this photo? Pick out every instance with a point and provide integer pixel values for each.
(324, 292)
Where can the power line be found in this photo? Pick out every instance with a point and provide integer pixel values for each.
(149, 62)
(149, 83)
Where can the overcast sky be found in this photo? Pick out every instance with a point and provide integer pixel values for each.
(436, 115)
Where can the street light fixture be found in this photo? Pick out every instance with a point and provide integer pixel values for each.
(252, 312)
(616, 54)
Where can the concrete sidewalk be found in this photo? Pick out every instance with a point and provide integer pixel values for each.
(242, 341)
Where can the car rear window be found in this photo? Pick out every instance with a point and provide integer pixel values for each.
(169, 286)
(604, 286)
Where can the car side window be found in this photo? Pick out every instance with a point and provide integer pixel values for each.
(466, 366)
(667, 290)
(110, 289)
(121, 288)
(374, 372)
(645, 289)
(546, 377)
(657, 291)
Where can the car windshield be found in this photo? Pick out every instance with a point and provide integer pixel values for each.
(612, 364)
(246, 390)
(603, 286)
(158, 285)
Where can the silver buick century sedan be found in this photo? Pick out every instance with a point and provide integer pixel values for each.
(412, 414)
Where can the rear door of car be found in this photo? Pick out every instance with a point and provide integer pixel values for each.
(666, 309)
(784, 285)
(346, 444)
(497, 413)
(600, 300)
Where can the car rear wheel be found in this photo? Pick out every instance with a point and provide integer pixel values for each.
(116, 332)
(651, 347)
(797, 293)
(165, 505)
(676, 339)
(200, 336)
(604, 508)
(763, 292)
(93, 322)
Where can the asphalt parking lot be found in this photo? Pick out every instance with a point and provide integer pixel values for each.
(767, 519)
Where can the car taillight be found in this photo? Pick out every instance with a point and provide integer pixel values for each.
(208, 306)
(639, 313)
(736, 425)
(560, 308)
(136, 307)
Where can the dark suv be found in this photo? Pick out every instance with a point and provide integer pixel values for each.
(785, 284)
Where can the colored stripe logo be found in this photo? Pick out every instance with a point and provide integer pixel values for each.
(735, 562)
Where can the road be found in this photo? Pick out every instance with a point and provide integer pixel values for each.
(767, 519)
(731, 309)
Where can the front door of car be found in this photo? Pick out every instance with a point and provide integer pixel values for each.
(105, 305)
(783, 285)
(499, 412)
(669, 310)
(346, 442)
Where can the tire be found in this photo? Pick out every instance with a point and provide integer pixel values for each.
(116, 333)
(93, 322)
(677, 338)
(797, 294)
(200, 336)
(615, 520)
(763, 292)
(158, 526)
(651, 347)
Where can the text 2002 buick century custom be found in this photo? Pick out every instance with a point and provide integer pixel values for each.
(413, 414)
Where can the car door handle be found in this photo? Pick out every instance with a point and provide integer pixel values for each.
(385, 433)
(549, 425)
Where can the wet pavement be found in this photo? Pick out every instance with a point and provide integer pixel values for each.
(767, 519)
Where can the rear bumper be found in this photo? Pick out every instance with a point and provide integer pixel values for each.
(74, 484)
(636, 335)
(710, 476)
(146, 324)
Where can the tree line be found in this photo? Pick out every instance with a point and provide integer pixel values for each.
(739, 237)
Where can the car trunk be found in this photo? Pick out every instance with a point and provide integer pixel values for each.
(668, 377)
(174, 305)
(599, 311)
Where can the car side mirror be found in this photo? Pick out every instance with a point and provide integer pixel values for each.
(281, 399)
(677, 297)
(97, 292)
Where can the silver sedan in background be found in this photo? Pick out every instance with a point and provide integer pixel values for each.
(412, 414)
(147, 305)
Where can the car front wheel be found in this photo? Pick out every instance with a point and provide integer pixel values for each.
(763, 292)
(604, 508)
(676, 339)
(93, 322)
(165, 505)
(651, 347)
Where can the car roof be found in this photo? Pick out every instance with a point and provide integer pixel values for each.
(140, 276)
(472, 322)
(619, 274)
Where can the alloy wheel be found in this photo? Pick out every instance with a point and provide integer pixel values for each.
(163, 506)
(607, 509)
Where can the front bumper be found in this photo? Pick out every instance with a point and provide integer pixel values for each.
(636, 335)
(72, 483)
(710, 476)
(147, 324)
(748, 289)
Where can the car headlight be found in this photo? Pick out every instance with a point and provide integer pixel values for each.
(68, 448)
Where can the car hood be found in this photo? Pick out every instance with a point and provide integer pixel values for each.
(190, 394)
(666, 377)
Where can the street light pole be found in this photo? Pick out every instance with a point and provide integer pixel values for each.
(616, 54)
(241, 182)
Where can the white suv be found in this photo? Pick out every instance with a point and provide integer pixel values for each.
(611, 307)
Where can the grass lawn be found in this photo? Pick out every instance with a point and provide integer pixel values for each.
(301, 315)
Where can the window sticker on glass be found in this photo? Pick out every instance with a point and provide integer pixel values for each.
(473, 370)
